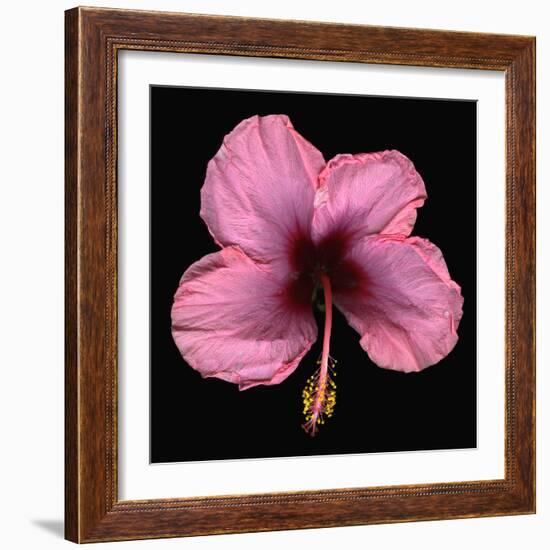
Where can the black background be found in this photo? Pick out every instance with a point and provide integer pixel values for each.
(377, 410)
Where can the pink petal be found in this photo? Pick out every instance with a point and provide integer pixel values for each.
(367, 194)
(260, 187)
(232, 320)
(405, 307)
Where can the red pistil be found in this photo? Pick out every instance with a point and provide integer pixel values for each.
(328, 323)
(319, 395)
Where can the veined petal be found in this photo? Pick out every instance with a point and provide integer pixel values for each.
(259, 188)
(365, 194)
(405, 306)
(232, 320)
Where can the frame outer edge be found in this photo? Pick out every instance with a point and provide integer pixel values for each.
(525, 109)
(72, 92)
(72, 448)
(92, 256)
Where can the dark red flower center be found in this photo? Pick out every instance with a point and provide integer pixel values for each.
(329, 257)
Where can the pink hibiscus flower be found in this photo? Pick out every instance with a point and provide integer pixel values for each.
(289, 223)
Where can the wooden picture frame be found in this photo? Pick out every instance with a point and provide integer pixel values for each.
(93, 511)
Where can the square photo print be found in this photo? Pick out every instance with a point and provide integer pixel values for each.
(312, 274)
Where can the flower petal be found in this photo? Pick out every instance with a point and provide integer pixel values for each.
(259, 188)
(232, 320)
(405, 307)
(366, 194)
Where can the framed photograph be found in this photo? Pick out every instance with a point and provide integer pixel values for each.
(300, 275)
